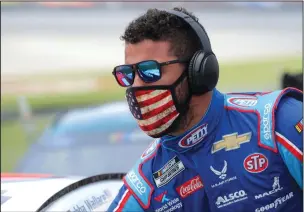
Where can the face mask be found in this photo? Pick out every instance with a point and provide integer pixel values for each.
(156, 107)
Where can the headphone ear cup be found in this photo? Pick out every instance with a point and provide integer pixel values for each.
(210, 70)
(192, 72)
(203, 72)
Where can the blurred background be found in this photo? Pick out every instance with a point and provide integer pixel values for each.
(56, 82)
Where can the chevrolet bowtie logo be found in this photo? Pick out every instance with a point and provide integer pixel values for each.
(231, 142)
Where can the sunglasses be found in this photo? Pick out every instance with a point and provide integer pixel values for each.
(149, 71)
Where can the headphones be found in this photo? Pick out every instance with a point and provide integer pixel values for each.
(203, 68)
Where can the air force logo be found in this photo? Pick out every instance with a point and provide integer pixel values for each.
(222, 174)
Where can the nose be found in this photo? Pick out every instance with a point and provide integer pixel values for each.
(138, 81)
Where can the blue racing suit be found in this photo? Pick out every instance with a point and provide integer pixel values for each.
(245, 155)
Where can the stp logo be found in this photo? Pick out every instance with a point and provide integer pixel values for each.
(255, 163)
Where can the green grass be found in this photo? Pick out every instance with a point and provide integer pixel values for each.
(15, 141)
(239, 76)
(68, 74)
(113, 92)
(63, 100)
(256, 75)
(247, 75)
(13, 144)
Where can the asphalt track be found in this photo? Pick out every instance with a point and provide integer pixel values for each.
(42, 41)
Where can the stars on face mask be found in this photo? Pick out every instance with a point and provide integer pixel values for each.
(135, 110)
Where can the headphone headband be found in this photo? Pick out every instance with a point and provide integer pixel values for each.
(203, 70)
(197, 27)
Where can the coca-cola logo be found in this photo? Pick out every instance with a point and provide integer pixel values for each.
(190, 187)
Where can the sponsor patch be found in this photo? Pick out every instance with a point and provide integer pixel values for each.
(224, 182)
(190, 187)
(150, 149)
(255, 163)
(275, 188)
(136, 183)
(275, 203)
(162, 197)
(141, 187)
(222, 175)
(170, 204)
(223, 201)
(243, 101)
(194, 137)
(172, 168)
(231, 142)
(299, 126)
(266, 122)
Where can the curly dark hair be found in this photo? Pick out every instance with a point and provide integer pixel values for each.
(292, 80)
(158, 25)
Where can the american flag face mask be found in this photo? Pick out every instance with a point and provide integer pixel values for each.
(154, 107)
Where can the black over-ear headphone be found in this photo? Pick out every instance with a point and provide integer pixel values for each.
(203, 67)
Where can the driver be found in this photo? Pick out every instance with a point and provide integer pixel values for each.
(213, 151)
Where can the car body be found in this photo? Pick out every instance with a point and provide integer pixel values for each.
(50, 193)
(78, 145)
(86, 142)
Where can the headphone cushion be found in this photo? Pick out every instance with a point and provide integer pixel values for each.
(195, 72)
(203, 72)
(192, 71)
(210, 72)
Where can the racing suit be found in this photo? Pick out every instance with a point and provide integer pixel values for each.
(245, 154)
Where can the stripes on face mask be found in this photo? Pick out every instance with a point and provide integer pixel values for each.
(154, 109)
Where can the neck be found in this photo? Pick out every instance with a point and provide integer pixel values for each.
(198, 108)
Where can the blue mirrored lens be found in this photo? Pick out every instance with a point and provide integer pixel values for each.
(124, 75)
(149, 71)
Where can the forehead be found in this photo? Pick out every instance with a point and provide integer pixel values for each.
(148, 50)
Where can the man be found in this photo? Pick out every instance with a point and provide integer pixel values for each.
(214, 151)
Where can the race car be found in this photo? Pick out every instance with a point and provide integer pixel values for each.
(87, 142)
(77, 163)
(49, 193)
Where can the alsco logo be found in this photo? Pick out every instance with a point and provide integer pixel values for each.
(231, 198)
